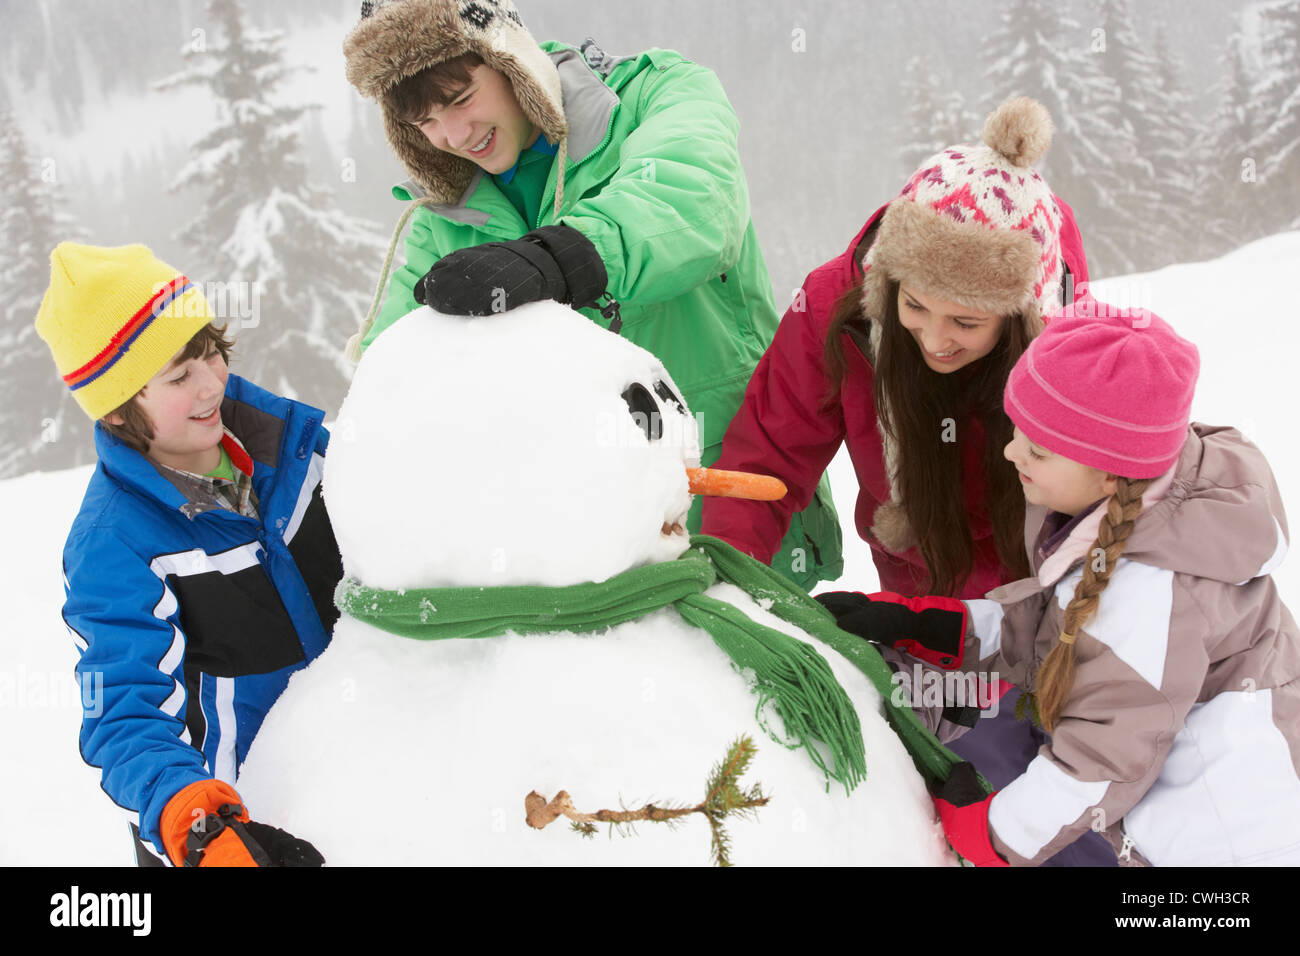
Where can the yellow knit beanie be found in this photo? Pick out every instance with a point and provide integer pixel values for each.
(114, 317)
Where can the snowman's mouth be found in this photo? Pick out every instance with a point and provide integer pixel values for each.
(675, 524)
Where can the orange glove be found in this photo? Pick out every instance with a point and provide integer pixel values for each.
(201, 827)
(206, 825)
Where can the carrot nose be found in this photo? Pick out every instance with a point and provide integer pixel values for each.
(735, 484)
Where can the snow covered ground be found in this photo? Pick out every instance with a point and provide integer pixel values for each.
(57, 813)
(1238, 309)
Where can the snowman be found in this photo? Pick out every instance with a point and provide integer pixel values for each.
(527, 628)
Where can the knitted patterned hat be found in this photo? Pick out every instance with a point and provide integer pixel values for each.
(1106, 387)
(396, 39)
(114, 317)
(977, 226)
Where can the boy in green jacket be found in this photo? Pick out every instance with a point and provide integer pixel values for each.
(554, 172)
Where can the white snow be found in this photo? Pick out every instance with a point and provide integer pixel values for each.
(58, 815)
(1238, 309)
(442, 740)
(507, 446)
(534, 470)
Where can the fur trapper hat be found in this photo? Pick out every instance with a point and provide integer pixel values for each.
(396, 39)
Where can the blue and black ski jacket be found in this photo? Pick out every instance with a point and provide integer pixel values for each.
(190, 618)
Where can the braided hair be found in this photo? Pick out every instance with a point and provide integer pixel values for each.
(1056, 676)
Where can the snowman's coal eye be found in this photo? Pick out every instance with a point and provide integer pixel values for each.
(644, 410)
(666, 393)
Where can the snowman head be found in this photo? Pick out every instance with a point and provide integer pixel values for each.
(532, 447)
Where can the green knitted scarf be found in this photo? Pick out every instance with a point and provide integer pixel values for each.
(786, 672)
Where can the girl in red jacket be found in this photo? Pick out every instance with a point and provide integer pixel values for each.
(901, 347)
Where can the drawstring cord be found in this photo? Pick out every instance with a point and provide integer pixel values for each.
(353, 350)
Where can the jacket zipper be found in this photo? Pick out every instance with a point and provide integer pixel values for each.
(1126, 849)
(548, 195)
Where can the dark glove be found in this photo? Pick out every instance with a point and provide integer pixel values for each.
(223, 839)
(932, 629)
(963, 807)
(554, 262)
(283, 848)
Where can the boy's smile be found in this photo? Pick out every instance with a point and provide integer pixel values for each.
(483, 122)
(183, 404)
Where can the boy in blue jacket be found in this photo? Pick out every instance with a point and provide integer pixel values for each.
(201, 568)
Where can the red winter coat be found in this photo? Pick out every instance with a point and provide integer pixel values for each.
(783, 430)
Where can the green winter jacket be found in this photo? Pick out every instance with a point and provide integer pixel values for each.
(654, 180)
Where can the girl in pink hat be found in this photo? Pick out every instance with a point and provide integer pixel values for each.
(1160, 657)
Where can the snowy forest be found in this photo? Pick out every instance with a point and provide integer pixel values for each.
(226, 138)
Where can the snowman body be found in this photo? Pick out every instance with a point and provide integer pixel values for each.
(536, 448)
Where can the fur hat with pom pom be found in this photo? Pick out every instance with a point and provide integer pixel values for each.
(977, 226)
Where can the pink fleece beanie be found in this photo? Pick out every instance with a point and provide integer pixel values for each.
(1106, 387)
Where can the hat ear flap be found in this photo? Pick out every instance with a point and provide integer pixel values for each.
(875, 304)
(892, 529)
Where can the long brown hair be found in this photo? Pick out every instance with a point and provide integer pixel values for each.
(913, 404)
(1056, 677)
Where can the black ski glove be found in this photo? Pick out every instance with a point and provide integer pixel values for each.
(932, 629)
(246, 842)
(284, 848)
(553, 262)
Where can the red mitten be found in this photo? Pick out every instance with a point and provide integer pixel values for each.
(963, 809)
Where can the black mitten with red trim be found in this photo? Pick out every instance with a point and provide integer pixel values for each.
(930, 628)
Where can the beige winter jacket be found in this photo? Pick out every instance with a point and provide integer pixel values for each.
(1181, 735)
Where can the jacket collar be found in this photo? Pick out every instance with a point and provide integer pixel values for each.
(1074, 547)
(851, 264)
(201, 491)
(136, 472)
(257, 418)
(589, 105)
